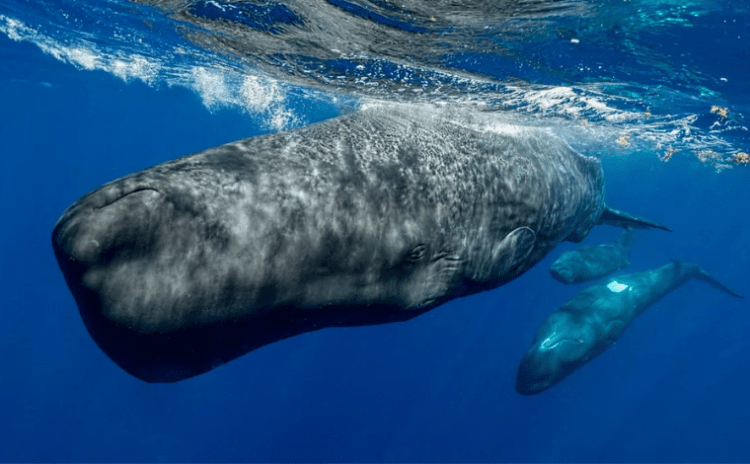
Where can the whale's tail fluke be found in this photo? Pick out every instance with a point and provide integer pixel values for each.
(613, 217)
(706, 277)
(700, 274)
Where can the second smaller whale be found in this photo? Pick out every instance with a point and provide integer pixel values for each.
(592, 262)
(589, 323)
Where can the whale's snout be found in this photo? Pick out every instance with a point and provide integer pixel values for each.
(108, 225)
(561, 273)
(562, 345)
(533, 376)
(98, 242)
(100, 229)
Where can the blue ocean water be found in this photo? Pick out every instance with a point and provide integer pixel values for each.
(92, 91)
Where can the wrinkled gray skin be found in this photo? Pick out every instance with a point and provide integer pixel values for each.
(592, 262)
(369, 218)
(589, 323)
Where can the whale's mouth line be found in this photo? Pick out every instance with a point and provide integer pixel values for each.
(548, 344)
(140, 189)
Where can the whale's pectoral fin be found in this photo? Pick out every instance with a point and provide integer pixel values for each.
(613, 217)
(508, 254)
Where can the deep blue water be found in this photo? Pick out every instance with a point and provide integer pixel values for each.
(436, 388)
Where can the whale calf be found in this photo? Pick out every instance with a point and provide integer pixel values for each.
(592, 262)
(589, 323)
(368, 218)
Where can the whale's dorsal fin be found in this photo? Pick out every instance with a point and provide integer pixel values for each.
(613, 217)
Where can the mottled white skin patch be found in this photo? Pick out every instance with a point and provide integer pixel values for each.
(369, 218)
(616, 286)
(589, 323)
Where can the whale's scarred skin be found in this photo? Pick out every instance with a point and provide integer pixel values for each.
(368, 218)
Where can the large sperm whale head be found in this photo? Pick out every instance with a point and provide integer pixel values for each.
(138, 235)
(110, 227)
(140, 257)
(563, 343)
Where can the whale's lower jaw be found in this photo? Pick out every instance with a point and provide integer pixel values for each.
(179, 355)
(176, 352)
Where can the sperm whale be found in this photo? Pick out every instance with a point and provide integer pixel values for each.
(589, 323)
(592, 262)
(368, 218)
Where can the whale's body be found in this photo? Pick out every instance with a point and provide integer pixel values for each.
(589, 323)
(369, 218)
(593, 262)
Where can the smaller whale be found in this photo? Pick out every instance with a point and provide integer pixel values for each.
(589, 323)
(592, 262)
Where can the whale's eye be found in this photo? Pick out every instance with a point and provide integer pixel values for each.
(549, 343)
(417, 254)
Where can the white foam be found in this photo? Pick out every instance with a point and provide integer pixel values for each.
(586, 116)
(258, 95)
(218, 87)
(14, 29)
(146, 70)
(566, 101)
(282, 118)
(211, 86)
(83, 54)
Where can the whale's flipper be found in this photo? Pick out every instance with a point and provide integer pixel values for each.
(507, 254)
(613, 217)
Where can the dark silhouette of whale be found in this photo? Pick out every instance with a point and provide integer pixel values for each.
(368, 218)
(592, 262)
(589, 323)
